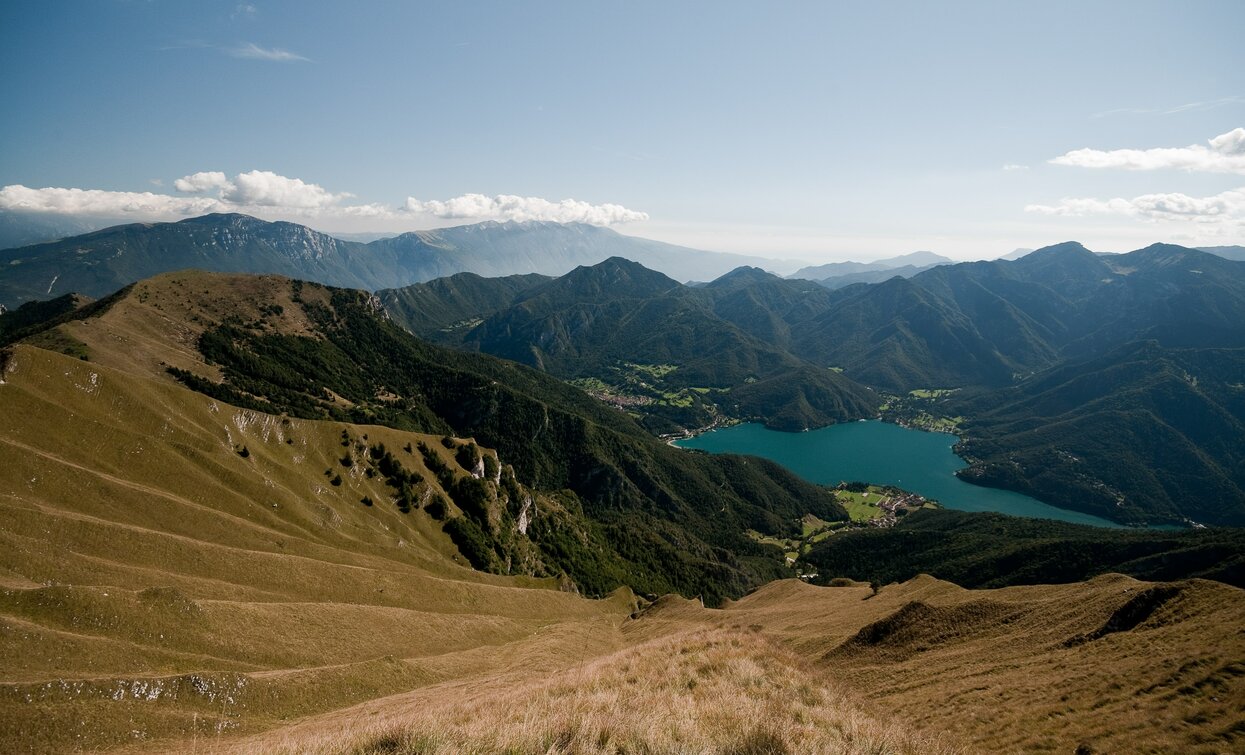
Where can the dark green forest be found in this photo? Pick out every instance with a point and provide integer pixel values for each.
(653, 516)
(993, 550)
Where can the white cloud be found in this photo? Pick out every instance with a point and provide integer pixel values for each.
(273, 196)
(1225, 154)
(510, 207)
(1013, 166)
(259, 188)
(143, 205)
(255, 52)
(263, 188)
(256, 192)
(197, 183)
(1226, 209)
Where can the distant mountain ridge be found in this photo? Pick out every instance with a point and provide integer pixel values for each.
(973, 323)
(920, 260)
(752, 344)
(646, 339)
(992, 321)
(100, 262)
(840, 274)
(19, 228)
(1236, 253)
(790, 352)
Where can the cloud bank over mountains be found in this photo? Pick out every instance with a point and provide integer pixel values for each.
(509, 207)
(1226, 154)
(1226, 206)
(1220, 215)
(273, 196)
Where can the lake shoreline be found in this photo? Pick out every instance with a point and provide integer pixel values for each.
(882, 452)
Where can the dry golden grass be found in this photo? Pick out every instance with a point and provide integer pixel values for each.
(161, 320)
(716, 691)
(1012, 670)
(161, 592)
(146, 566)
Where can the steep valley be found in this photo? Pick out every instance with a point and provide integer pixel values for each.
(749, 345)
(164, 591)
(245, 513)
(616, 378)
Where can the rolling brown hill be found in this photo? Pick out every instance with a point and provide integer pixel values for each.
(162, 591)
(1111, 665)
(179, 574)
(637, 511)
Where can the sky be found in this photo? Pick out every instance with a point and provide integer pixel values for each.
(818, 131)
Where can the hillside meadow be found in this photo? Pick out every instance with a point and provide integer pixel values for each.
(164, 592)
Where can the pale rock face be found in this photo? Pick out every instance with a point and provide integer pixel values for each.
(478, 470)
(525, 514)
(375, 306)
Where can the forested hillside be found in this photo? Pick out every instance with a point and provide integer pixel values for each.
(643, 513)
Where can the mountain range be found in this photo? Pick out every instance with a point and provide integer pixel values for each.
(752, 345)
(457, 552)
(1022, 339)
(26, 228)
(97, 263)
(636, 334)
(182, 572)
(840, 274)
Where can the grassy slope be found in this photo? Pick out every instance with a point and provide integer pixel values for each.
(161, 591)
(150, 586)
(1114, 664)
(138, 548)
(659, 520)
(709, 690)
(1014, 670)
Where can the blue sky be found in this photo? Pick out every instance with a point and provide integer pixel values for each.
(819, 131)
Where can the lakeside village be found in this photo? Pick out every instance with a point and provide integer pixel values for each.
(867, 506)
(636, 388)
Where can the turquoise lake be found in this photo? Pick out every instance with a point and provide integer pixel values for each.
(883, 453)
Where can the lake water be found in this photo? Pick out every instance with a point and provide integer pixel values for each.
(883, 453)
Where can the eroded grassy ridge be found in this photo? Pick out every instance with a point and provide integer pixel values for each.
(714, 691)
(155, 583)
(651, 516)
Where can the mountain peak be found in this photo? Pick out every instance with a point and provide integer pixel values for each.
(622, 269)
(613, 278)
(1059, 255)
(916, 259)
(1064, 248)
(744, 275)
(224, 218)
(1068, 267)
(1161, 248)
(1171, 256)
